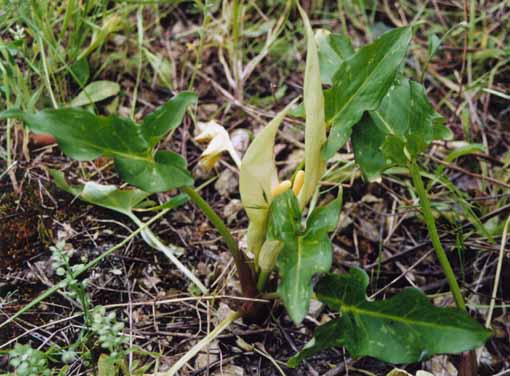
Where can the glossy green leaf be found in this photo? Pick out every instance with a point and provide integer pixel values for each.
(315, 123)
(333, 50)
(394, 114)
(403, 126)
(406, 328)
(323, 219)
(394, 150)
(257, 177)
(167, 117)
(367, 140)
(422, 120)
(95, 92)
(284, 217)
(305, 251)
(360, 84)
(325, 337)
(165, 171)
(85, 136)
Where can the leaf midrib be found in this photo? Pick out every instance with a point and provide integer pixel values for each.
(112, 152)
(385, 122)
(346, 308)
(298, 267)
(333, 120)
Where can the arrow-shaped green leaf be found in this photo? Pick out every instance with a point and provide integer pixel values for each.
(406, 328)
(304, 253)
(167, 117)
(402, 127)
(84, 136)
(360, 84)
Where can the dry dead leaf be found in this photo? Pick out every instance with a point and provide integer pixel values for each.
(441, 366)
(227, 183)
(229, 370)
(398, 372)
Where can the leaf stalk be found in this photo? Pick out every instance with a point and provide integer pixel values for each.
(244, 268)
(434, 235)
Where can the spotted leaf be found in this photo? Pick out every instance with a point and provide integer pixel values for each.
(305, 251)
(406, 328)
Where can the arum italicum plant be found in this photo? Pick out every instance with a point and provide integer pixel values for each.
(390, 122)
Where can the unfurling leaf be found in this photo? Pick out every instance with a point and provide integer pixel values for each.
(315, 123)
(360, 84)
(257, 178)
(219, 142)
(304, 253)
(95, 92)
(406, 328)
(85, 136)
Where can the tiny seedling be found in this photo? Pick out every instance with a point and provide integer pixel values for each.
(390, 122)
(28, 361)
(60, 262)
(109, 332)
